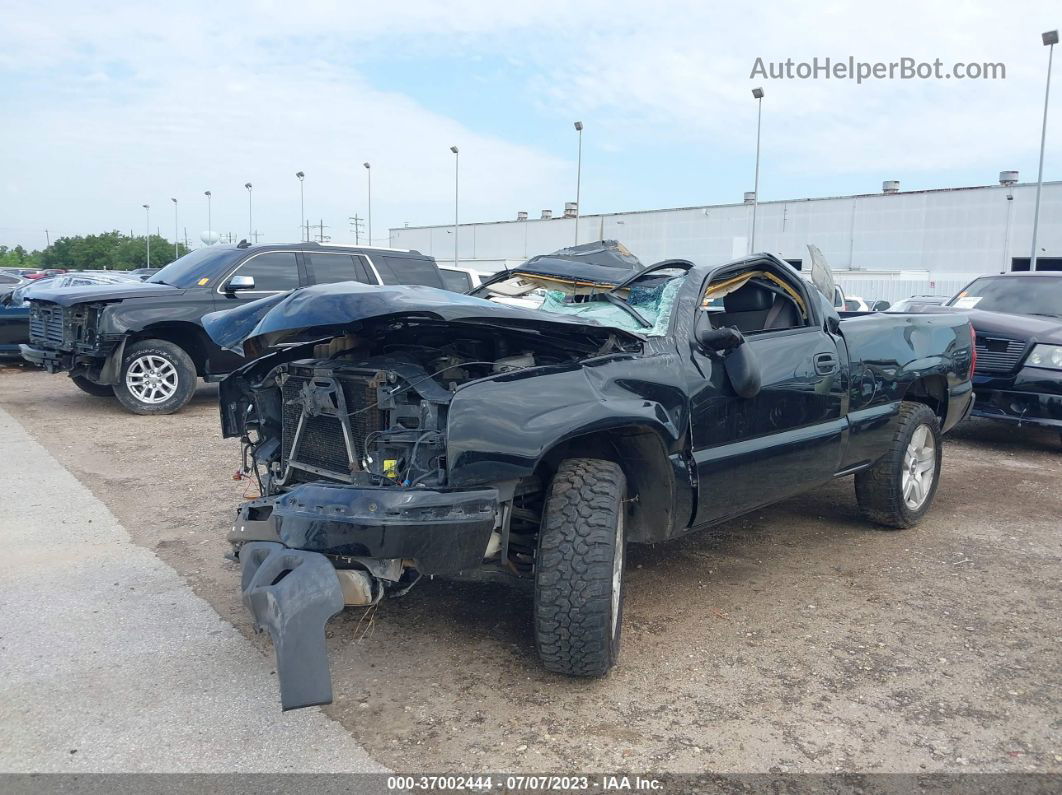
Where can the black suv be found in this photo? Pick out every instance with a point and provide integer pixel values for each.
(144, 342)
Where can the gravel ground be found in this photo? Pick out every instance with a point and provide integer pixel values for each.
(793, 639)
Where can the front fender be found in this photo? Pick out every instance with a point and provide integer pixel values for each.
(500, 429)
(112, 367)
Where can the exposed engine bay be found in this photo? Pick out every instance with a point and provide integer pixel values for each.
(372, 411)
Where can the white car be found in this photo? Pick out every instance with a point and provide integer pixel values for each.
(464, 280)
(460, 280)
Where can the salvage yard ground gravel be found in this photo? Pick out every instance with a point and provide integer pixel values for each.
(794, 639)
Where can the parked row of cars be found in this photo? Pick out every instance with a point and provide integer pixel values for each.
(530, 426)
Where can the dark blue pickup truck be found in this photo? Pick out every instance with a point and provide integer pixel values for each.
(397, 432)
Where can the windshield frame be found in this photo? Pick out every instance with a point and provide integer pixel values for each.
(606, 293)
(1029, 288)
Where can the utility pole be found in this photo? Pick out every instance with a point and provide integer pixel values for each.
(757, 94)
(250, 214)
(355, 226)
(256, 235)
(1050, 39)
(48, 239)
(578, 180)
(322, 237)
(457, 175)
(368, 174)
(176, 232)
(147, 229)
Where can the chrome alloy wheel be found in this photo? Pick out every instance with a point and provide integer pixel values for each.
(919, 467)
(151, 379)
(617, 568)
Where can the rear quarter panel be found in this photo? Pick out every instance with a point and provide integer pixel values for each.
(888, 354)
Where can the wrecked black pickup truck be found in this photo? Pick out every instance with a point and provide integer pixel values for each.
(399, 432)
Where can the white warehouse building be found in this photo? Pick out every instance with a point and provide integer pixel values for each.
(886, 245)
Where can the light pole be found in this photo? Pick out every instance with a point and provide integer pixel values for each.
(176, 231)
(210, 226)
(758, 94)
(578, 179)
(457, 174)
(1050, 39)
(1008, 179)
(250, 216)
(147, 227)
(303, 226)
(368, 174)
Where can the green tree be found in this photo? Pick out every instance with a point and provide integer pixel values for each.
(109, 251)
(18, 257)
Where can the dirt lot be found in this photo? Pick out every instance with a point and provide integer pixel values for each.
(795, 639)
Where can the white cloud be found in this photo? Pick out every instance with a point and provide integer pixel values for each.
(110, 108)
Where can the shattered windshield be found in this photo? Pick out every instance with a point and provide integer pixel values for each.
(643, 307)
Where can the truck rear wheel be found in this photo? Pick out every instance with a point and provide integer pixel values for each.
(91, 387)
(579, 568)
(156, 377)
(898, 490)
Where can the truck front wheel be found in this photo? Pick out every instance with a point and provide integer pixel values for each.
(579, 568)
(156, 377)
(898, 490)
(91, 387)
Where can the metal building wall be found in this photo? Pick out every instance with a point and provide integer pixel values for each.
(949, 234)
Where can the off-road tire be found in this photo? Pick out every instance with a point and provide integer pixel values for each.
(879, 489)
(177, 357)
(91, 387)
(578, 616)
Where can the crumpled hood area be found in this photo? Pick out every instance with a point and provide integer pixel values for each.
(87, 293)
(324, 309)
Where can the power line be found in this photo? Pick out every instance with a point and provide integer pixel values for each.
(355, 227)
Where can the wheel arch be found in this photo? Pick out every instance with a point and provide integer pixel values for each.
(652, 481)
(932, 390)
(187, 336)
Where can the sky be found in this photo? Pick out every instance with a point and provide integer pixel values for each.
(111, 105)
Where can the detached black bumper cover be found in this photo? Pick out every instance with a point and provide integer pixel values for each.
(292, 594)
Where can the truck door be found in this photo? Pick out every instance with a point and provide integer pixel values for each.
(753, 451)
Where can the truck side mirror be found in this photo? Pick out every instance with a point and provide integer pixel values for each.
(239, 283)
(719, 339)
(739, 360)
(743, 369)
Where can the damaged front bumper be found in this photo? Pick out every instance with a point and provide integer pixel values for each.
(50, 359)
(1032, 397)
(98, 364)
(441, 531)
(289, 544)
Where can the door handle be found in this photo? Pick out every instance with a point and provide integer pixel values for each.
(825, 363)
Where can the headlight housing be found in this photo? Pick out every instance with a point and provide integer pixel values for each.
(1049, 356)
